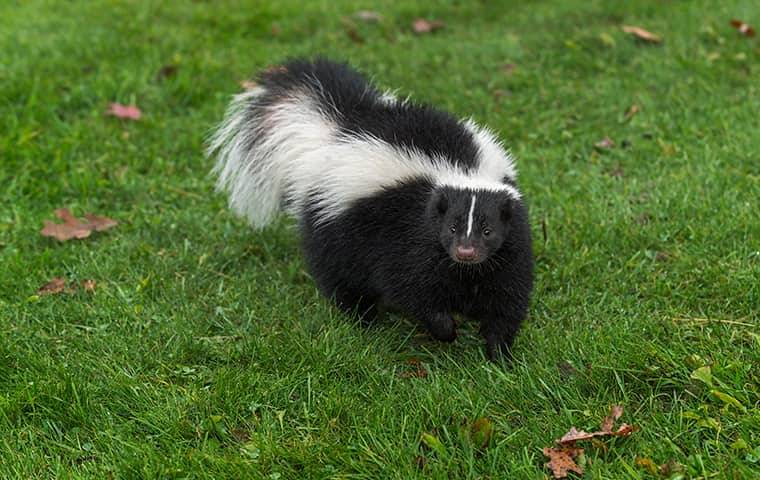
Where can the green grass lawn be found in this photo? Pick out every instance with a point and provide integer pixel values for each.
(205, 350)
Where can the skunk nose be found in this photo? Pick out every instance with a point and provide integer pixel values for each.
(466, 253)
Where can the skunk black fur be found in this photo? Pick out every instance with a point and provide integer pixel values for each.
(399, 205)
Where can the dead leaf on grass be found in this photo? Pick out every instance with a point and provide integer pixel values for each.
(422, 25)
(89, 285)
(129, 112)
(72, 227)
(561, 461)
(609, 421)
(53, 287)
(743, 28)
(642, 34)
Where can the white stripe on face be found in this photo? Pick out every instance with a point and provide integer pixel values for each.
(469, 217)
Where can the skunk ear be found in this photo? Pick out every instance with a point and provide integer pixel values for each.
(439, 202)
(506, 209)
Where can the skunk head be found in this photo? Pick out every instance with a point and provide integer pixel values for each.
(472, 224)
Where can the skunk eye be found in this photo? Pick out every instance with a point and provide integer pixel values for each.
(486, 232)
(453, 229)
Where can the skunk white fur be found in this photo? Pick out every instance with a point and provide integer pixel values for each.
(400, 205)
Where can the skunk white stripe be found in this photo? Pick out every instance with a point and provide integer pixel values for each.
(469, 217)
(291, 153)
(494, 159)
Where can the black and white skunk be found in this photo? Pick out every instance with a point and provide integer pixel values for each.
(400, 205)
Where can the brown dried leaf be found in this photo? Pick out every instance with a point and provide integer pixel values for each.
(72, 227)
(561, 461)
(53, 287)
(642, 34)
(99, 223)
(609, 421)
(422, 25)
(574, 435)
(743, 28)
(129, 112)
(89, 285)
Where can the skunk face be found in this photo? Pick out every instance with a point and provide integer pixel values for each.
(472, 224)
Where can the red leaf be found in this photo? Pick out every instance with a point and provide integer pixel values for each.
(561, 461)
(642, 34)
(130, 112)
(743, 28)
(421, 25)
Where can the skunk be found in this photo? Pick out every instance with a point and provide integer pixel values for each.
(399, 205)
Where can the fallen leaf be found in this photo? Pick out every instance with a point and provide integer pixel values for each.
(72, 227)
(53, 287)
(605, 143)
(575, 435)
(418, 372)
(275, 30)
(89, 285)
(642, 34)
(167, 71)
(421, 25)
(481, 431)
(248, 84)
(743, 28)
(368, 16)
(609, 420)
(561, 461)
(130, 112)
(99, 223)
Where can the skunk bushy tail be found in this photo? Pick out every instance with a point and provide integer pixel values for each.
(318, 134)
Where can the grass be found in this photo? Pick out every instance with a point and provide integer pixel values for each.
(206, 352)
